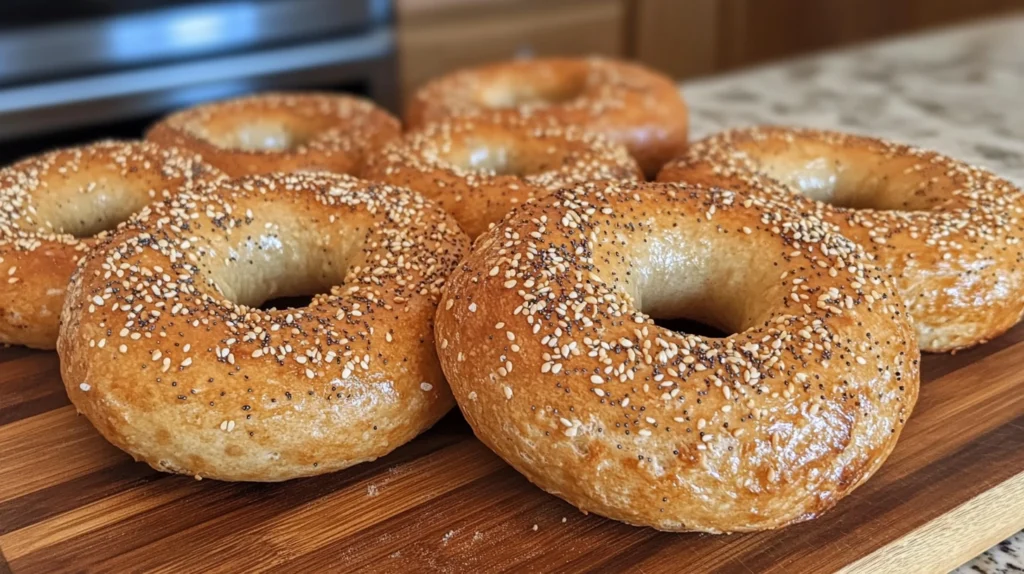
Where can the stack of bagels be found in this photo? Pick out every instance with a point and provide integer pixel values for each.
(509, 252)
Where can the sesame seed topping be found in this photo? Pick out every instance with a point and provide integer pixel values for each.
(173, 301)
(593, 263)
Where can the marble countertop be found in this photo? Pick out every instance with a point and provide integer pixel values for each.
(958, 91)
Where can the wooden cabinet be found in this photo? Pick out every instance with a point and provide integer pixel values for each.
(753, 31)
(678, 37)
(683, 38)
(435, 37)
(688, 38)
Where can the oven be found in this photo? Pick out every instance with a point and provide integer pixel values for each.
(75, 71)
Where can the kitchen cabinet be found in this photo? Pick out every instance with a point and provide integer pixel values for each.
(687, 38)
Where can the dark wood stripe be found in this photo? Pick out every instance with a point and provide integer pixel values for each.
(33, 407)
(15, 352)
(66, 496)
(246, 503)
(30, 386)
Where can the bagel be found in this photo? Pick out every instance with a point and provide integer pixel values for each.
(628, 103)
(163, 349)
(478, 168)
(949, 233)
(55, 206)
(281, 132)
(546, 337)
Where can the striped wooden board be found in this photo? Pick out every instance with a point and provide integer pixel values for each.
(69, 501)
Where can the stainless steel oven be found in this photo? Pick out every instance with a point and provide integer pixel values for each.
(73, 71)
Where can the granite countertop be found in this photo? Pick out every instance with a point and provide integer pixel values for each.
(957, 91)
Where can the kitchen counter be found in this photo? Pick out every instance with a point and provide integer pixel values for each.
(957, 91)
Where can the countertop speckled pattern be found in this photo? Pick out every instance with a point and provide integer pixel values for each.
(959, 91)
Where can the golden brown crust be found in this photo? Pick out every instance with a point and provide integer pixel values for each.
(546, 337)
(480, 168)
(281, 132)
(950, 233)
(628, 103)
(54, 207)
(163, 349)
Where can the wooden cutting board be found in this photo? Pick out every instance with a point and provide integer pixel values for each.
(69, 501)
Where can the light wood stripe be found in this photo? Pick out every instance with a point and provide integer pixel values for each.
(953, 538)
(48, 449)
(94, 516)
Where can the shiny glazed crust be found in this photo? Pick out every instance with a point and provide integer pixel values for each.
(950, 233)
(306, 132)
(471, 166)
(546, 337)
(162, 346)
(53, 208)
(628, 103)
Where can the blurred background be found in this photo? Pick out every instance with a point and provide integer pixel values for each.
(80, 70)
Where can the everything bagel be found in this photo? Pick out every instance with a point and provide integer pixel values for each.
(54, 207)
(480, 168)
(546, 336)
(164, 349)
(628, 103)
(951, 234)
(281, 132)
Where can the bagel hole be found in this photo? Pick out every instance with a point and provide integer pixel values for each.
(821, 180)
(98, 206)
(279, 281)
(863, 184)
(272, 288)
(269, 135)
(290, 302)
(102, 220)
(694, 296)
(499, 160)
(285, 257)
(691, 282)
(501, 157)
(546, 90)
(690, 327)
(271, 138)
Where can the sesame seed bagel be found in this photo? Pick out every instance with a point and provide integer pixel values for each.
(546, 336)
(950, 233)
(628, 103)
(164, 349)
(55, 206)
(281, 132)
(480, 168)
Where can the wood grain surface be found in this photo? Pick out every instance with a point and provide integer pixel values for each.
(70, 502)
